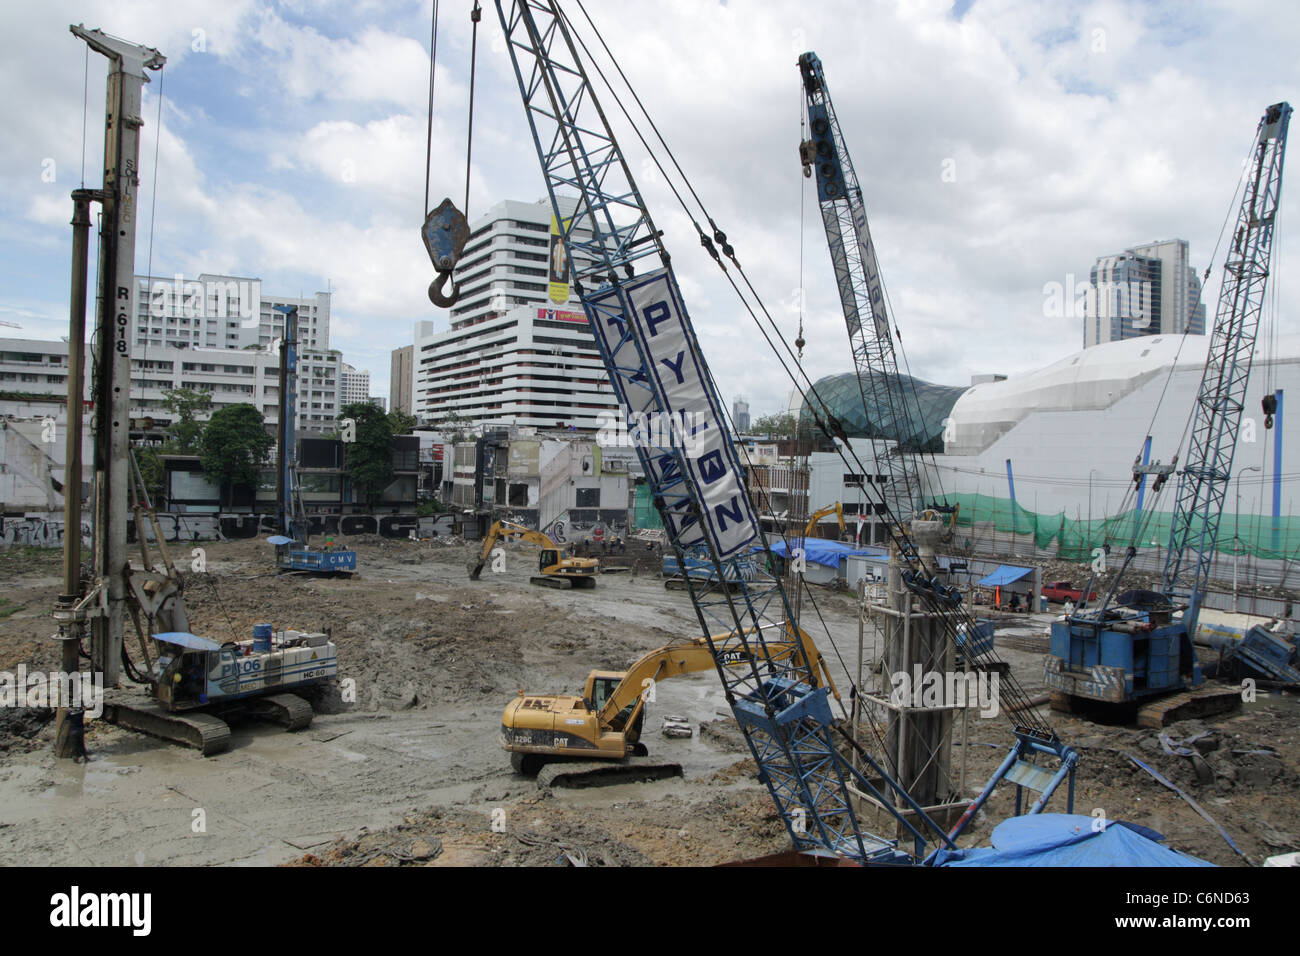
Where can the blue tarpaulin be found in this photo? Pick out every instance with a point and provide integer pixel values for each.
(1067, 839)
(823, 551)
(1004, 575)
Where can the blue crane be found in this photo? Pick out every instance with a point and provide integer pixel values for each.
(623, 275)
(1131, 648)
(896, 410)
(893, 408)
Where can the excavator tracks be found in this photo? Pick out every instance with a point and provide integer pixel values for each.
(562, 582)
(595, 773)
(1193, 703)
(289, 710)
(545, 582)
(203, 732)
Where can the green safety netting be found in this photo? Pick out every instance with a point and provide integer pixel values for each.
(644, 513)
(1074, 538)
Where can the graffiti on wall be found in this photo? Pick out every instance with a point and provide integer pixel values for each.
(568, 528)
(40, 531)
(47, 530)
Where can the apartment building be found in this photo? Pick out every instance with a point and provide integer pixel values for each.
(516, 349)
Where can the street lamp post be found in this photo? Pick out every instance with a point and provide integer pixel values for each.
(1236, 533)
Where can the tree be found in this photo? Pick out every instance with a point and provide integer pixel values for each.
(370, 456)
(454, 428)
(402, 423)
(149, 458)
(185, 431)
(781, 425)
(233, 447)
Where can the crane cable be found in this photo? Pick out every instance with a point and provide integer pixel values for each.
(428, 141)
(1141, 523)
(475, 16)
(830, 425)
(950, 625)
(803, 223)
(1131, 494)
(153, 217)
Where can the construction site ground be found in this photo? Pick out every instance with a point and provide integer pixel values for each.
(412, 772)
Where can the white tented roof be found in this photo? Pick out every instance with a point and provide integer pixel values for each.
(1095, 378)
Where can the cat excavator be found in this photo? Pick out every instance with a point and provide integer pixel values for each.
(555, 570)
(596, 737)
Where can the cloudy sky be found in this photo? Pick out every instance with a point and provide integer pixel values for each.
(1001, 145)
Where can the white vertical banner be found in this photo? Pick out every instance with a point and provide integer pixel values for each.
(658, 322)
(639, 407)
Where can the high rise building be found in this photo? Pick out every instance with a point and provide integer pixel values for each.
(518, 350)
(354, 386)
(740, 415)
(1150, 289)
(222, 312)
(401, 380)
(230, 376)
(217, 334)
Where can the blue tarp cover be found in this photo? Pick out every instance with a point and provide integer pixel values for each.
(1005, 574)
(823, 551)
(1066, 839)
(191, 641)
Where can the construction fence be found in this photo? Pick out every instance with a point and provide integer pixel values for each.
(1075, 539)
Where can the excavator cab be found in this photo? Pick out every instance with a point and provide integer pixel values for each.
(548, 559)
(602, 685)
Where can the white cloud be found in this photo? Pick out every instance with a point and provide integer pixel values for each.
(1063, 149)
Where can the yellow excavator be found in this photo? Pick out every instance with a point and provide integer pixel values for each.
(555, 569)
(603, 726)
(836, 509)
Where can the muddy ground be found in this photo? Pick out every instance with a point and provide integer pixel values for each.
(412, 771)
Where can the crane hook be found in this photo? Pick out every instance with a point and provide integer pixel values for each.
(439, 298)
(445, 233)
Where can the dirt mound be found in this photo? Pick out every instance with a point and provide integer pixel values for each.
(452, 839)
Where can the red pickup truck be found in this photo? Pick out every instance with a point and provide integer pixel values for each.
(1062, 591)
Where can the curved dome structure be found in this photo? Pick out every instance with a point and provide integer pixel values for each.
(926, 406)
(1094, 380)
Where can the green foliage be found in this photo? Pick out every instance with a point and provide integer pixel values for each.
(186, 432)
(233, 447)
(149, 458)
(774, 426)
(370, 456)
(402, 423)
(454, 428)
(12, 396)
(428, 508)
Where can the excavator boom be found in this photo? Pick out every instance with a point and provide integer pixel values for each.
(554, 568)
(605, 722)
